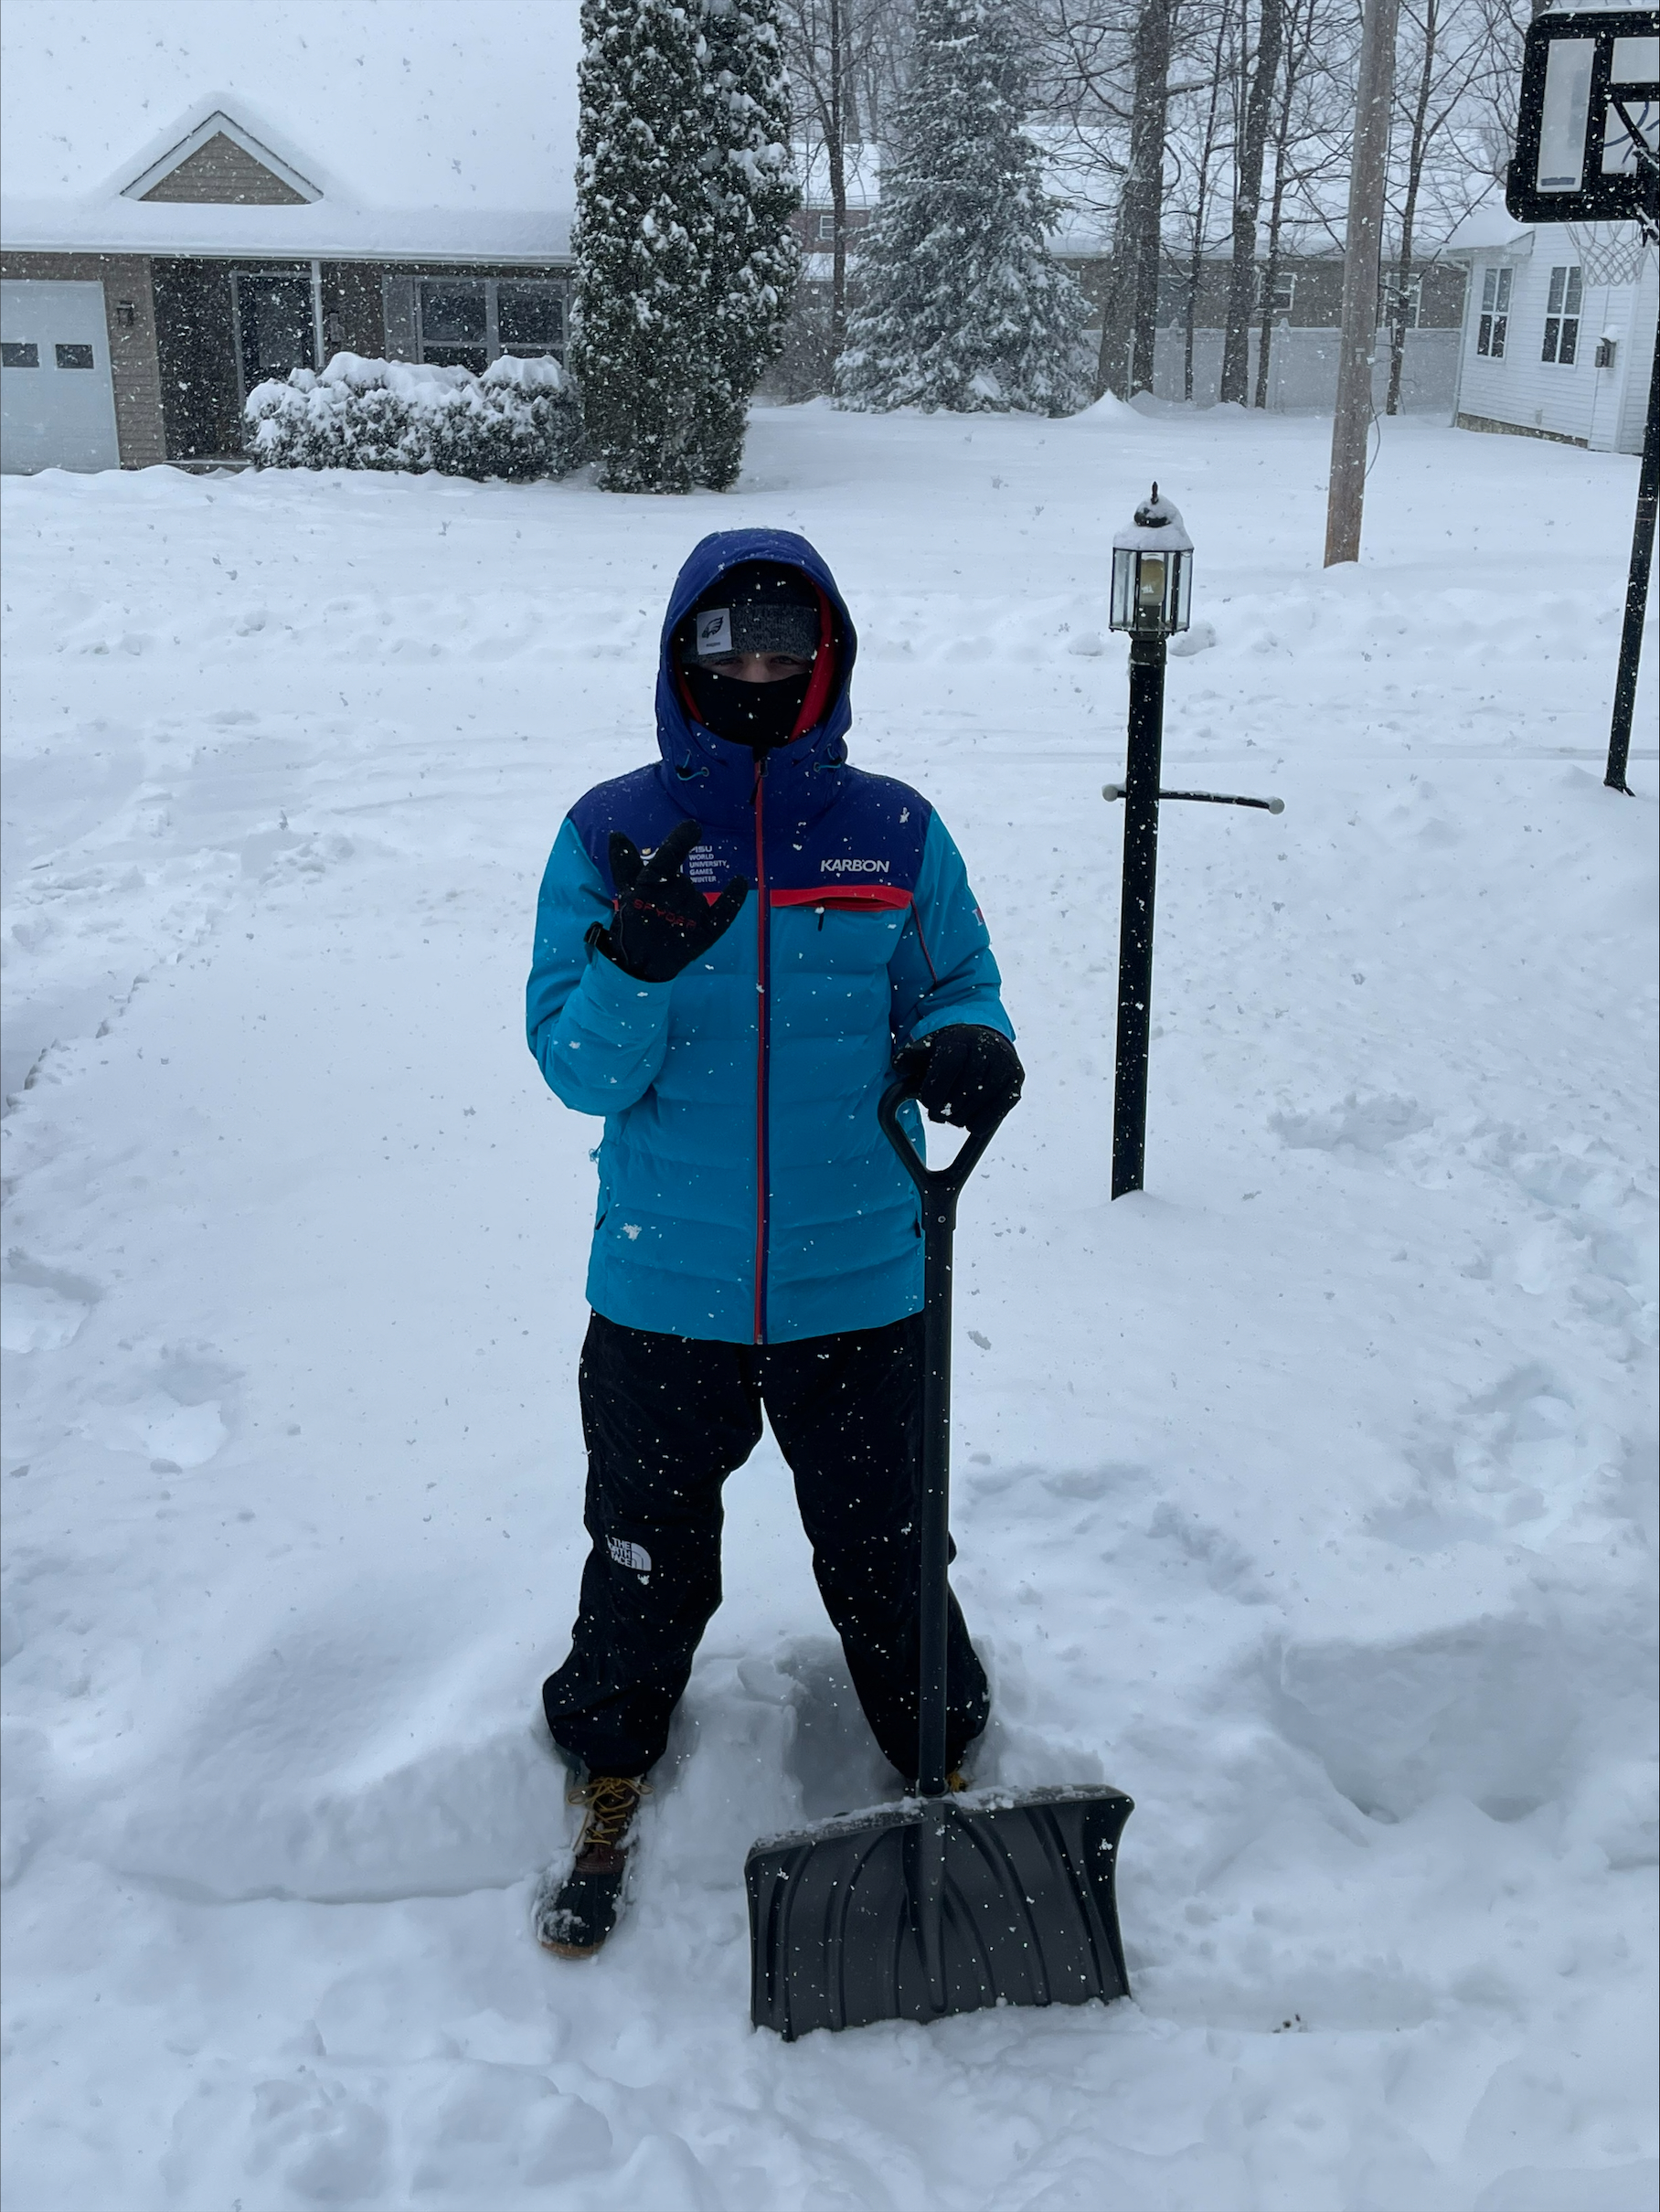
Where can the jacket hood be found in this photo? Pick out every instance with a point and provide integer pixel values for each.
(710, 777)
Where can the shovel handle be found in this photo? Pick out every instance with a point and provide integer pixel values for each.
(939, 1189)
(946, 1181)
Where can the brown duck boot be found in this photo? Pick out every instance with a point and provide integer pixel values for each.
(575, 1918)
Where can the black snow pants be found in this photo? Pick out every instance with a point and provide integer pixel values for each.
(666, 1419)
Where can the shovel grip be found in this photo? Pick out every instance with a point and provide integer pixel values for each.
(946, 1181)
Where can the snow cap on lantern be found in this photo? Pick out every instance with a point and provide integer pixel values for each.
(1152, 571)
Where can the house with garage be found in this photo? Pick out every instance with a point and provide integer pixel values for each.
(1559, 330)
(136, 315)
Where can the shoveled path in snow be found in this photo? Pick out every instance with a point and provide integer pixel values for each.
(1309, 1496)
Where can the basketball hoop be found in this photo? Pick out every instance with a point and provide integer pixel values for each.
(1587, 125)
(1588, 157)
(1609, 253)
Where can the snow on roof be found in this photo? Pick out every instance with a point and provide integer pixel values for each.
(1487, 226)
(179, 157)
(423, 129)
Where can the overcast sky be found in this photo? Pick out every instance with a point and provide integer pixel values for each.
(398, 103)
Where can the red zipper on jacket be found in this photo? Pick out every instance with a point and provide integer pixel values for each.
(763, 1038)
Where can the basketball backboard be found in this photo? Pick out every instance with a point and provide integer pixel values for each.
(1588, 135)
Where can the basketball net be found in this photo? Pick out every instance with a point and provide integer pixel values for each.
(1609, 253)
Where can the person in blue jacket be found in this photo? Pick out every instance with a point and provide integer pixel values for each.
(734, 947)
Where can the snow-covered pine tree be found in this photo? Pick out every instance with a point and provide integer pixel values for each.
(646, 346)
(956, 301)
(757, 255)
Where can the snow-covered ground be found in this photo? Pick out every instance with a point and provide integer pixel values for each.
(1308, 1496)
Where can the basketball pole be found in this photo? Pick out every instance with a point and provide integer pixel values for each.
(1636, 589)
(1362, 259)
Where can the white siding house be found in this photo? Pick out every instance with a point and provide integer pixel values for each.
(1546, 352)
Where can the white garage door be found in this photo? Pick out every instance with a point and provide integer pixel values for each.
(57, 396)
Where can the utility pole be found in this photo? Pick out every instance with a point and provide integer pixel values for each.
(1362, 259)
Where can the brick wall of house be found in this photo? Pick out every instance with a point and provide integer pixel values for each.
(135, 365)
(808, 222)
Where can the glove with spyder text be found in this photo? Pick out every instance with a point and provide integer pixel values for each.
(965, 1075)
(663, 922)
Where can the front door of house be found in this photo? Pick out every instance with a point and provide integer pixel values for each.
(56, 394)
(275, 326)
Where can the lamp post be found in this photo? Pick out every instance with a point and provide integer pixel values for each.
(1152, 590)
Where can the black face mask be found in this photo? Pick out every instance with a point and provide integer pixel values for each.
(761, 716)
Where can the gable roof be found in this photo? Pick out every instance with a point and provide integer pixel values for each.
(394, 129)
(220, 164)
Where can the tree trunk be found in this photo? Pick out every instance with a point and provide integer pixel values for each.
(835, 156)
(1196, 260)
(1247, 200)
(1416, 151)
(1196, 268)
(1271, 278)
(1113, 361)
(1368, 165)
(1147, 123)
(1276, 213)
(1130, 310)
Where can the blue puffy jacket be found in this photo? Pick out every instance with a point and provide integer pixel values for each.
(745, 1190)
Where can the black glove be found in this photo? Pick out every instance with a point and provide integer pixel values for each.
(663, 922)
(964, 1074)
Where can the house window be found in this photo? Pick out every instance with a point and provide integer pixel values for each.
(1495, 312)
(826, 228)
(1405, 304)
(466, 322)
(74, 357)
(1562, 318)
(530, 318)
(452, 324)
(1284, 295)
(14, 355)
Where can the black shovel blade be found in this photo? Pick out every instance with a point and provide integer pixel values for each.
(842, 1932)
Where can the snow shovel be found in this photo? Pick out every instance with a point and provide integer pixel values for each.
(943, 1903)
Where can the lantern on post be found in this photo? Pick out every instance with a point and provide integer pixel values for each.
(1152, 572)
(1152, 593)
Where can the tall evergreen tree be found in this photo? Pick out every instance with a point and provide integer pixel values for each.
(956, 301)
(644, 349)
(686, 263)
(757, 254)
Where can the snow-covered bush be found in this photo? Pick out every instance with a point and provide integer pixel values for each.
(520, 420)
(954, 300)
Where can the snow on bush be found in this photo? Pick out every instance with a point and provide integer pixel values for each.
(520, 420)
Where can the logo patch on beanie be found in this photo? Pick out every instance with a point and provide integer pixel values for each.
(715, 631)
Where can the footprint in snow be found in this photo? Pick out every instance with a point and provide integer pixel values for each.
(41, 1308)
(1369, 1125)
(174, 1416)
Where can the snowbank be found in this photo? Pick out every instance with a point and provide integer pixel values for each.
(520, 420)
